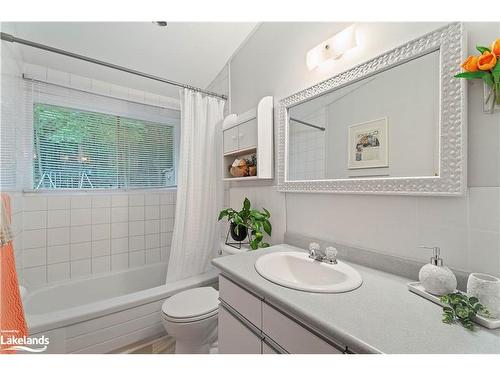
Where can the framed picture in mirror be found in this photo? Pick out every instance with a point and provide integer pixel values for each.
(368, 145)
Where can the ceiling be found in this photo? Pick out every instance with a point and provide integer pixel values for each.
(188, 52)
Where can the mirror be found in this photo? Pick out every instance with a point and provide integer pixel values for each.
(381, 127)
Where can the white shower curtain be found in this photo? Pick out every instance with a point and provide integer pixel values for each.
(196, 235)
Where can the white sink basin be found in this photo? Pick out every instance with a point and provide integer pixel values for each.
(297, 271)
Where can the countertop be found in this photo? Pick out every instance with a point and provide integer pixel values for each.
(381, 316)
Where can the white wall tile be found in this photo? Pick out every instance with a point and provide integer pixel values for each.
(152, 212)
(167, 198)
(58, 218)
(81, 233)
(119, 200)
(99, 201)
(81, 250)
(166, 225)
(81, 216)
(80, 268)
(119, 262)
(58, 203)
(101, 215)
(137, 258)
(35, 203)
(35, 257)
(35, 276)
(119, 214)
(35, 220)
(58, 272)
(119, 230)
(136, 243)
(152, 241)
(101, 248)
(153, 256)
(82, 201)
(58, 236)
(101, 264)
(34, 238)
(484, 254)
(80, 83)
(136, 200)
(167, 211)
(151, 226)
(136, 213)
(58, 254)
(119, 245)
(135, 228)
(484, 209)
(152, 199)
(101, 232)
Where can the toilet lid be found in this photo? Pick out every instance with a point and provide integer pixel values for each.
(191, 303)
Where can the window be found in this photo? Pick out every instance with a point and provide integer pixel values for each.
(75, 149)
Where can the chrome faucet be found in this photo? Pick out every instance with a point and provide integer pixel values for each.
(329, 257)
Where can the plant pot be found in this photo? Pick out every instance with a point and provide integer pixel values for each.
(240, 235)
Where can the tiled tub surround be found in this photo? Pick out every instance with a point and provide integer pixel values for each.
(70, 235)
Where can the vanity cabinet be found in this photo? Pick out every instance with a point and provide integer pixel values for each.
(248, 325)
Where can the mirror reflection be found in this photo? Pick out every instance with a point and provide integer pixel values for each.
(355, 131)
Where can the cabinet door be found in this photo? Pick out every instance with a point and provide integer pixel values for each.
(235, 337)
(230, 140)
(247, 134)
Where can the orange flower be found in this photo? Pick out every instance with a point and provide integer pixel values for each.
(470, 64)
(495, 48)
(486, 61)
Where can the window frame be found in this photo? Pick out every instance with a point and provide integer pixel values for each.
(85, 107)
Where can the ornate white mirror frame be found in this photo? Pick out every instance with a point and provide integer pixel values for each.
(451, 180)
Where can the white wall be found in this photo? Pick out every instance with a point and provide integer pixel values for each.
(272, 62)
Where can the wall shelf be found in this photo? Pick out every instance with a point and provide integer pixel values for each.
(247, 134)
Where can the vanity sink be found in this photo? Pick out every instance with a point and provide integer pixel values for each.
(297, 271)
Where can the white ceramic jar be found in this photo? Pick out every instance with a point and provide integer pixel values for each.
(487, 289)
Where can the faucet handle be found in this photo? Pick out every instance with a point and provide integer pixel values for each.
(331, 254)
(314, 246)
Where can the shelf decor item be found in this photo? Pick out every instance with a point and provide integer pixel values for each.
(247, 224)
(486, 68)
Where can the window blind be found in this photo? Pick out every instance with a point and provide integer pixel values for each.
(76, 149)
(80, 140)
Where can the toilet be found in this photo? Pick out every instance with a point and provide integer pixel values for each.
(191, 316)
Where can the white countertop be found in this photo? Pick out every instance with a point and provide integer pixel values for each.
(381, 316)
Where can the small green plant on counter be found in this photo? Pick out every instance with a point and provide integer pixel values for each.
(459, 307)
(255, 221)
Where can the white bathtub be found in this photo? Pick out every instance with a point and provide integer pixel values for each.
(100, 314)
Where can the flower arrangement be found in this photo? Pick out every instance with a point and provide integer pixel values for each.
(487, 68)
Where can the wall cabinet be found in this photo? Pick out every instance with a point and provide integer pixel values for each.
(247, 134)
(250, 325)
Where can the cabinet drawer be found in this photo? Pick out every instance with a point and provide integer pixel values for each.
(247, 134)
(235, 337)
(230, 139)
(291, 336)
(242, 301)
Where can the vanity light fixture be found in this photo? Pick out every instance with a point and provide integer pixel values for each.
(332, 48)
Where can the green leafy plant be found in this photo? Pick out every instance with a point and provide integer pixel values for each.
(459, 307)
(257, 222)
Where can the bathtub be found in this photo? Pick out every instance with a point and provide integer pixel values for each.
(101, 314)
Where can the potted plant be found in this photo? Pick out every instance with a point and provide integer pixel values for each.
(248, 222)
(485, 67)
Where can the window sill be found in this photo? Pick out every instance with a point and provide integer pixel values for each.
(97, 191)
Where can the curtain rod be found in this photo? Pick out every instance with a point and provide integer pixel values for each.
(13, 39)
(307, 124)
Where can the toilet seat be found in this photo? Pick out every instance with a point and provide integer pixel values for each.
(191, 305)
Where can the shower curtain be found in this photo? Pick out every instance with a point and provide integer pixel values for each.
(196, 235)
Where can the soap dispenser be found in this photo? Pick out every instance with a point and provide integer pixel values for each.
(436, 278)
